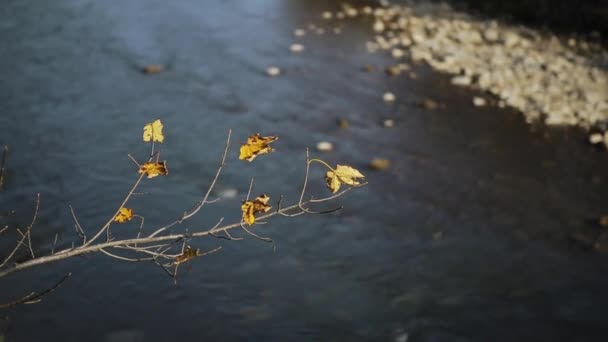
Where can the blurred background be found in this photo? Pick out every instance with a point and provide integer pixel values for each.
(482, 228)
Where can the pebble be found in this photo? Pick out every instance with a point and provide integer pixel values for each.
(320, 31)
(299, 32)
(461, 80)
(596, 138)
(378, 26)
(351, 12)
(393, 70)
(343, 123)
(324, 146)
(388, 123)
(479, 101)
(397, 53)
(389, 97)
(327, 15)
(380, 164)
(429, 104)
(228, 193)
(603, 221)
(152, 69)
(296, 48)
(368, 68)
(273, 71)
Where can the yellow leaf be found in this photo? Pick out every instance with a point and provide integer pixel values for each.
(188, 254)
(250, 208)
(154, 131)
(343, 174)
(124, 215)
(154, 169)
(255, 146)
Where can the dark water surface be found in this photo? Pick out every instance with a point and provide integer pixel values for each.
(468, 237)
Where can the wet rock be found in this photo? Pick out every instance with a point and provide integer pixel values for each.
(368, 68)
(389, 97)
(397, 53)
(429, 104)
(343, 123)
(388, 123)
(378, 26)
(393, 70)
(596, 138)
(479, 101)
(273, 71)
(152, 69)
(379, 164)
(461, 80)
(296, 48)
(351, 12)
(324, 146)
(228, 193)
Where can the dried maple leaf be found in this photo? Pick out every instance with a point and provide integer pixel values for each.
(154, 169)
(154, 131)
(250, 208)
(188, 254)
(343, 174)
(255, 146)
(124, 215)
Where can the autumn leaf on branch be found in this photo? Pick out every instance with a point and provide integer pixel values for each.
(153, 169)
(255, 146)
(188, 254)
(154, 132)
(342, 174)
(124, 215)
(250, 208)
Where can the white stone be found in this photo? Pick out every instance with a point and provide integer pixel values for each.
(296, 48)
(388, 123)
(596, 138)
(324, 146)
(389, 97)
(397, 53)
(479, 101)
(461, 80)
(327, 15)
(273, 71)
(299, 32)
(378, 26)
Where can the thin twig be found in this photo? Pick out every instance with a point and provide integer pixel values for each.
(29, 228)
(192, 211)
(265, 239)
(34, 297)
(124, 258)
(78, 227)
(3, 166)
(109, 222)
(54, 244)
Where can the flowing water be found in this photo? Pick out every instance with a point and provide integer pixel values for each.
(467, 237)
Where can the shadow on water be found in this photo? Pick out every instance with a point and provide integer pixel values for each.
(466, 237)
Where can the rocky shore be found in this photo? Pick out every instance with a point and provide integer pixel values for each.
(557, 80)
